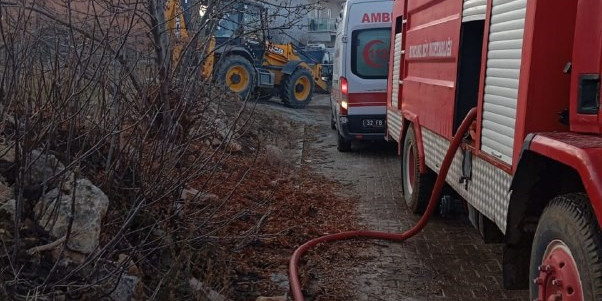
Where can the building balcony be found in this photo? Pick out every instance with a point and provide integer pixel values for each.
(322, 25)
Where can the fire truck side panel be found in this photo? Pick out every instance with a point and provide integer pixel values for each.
(431, 51)
(544, 90)
(429, 82)
(488, 192)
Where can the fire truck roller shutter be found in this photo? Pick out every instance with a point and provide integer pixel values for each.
(394, 119)
(474, 10)
(502, 78)
(396, 70)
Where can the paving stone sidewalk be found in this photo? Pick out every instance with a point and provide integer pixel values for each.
(447, 261)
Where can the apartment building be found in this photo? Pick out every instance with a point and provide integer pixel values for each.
(315, 23)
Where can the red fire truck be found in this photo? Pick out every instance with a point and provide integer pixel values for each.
(530, 170)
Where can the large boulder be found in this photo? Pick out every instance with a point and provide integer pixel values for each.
(53, 212)
(44, 166)
(127, 289)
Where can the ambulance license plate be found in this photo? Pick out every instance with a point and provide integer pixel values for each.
(373, 123)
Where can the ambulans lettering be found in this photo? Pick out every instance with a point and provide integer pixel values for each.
(376, 18)
(432, 49)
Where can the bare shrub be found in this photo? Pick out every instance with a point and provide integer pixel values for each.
(94, 85)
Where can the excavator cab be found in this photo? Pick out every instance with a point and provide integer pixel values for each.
(243, 25)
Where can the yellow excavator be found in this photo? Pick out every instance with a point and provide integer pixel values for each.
(241, 56)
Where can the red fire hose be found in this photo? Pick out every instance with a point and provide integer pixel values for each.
(432, 205)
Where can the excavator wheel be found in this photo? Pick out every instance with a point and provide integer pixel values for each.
(297, 89)
(238, 74)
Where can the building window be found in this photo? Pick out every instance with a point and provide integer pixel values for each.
(320, 20)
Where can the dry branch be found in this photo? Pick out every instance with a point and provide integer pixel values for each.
(48, 246)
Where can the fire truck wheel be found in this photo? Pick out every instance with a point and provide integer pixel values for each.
(566, 257)
(416, 186)
(238, 74)
(297, 89)
(343, 145)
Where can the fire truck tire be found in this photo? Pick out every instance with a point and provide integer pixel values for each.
(416, 186)
(237, 74)
(566, 256)
(297, 88)
(343, 145)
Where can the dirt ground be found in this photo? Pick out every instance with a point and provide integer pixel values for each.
(447, 261)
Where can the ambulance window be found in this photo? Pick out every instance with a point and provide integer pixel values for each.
(370, 52)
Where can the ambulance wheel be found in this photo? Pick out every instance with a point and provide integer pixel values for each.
(343, 145)
(566, 257)
(333, 124)
(237, 74)
(416, 186)
(297, 88)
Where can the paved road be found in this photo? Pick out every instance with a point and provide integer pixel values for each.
(447, 261)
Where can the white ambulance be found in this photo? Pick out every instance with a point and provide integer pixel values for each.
(360, 66)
